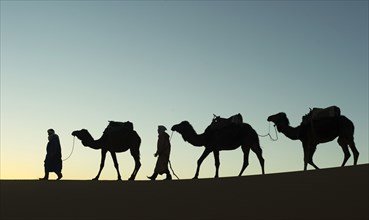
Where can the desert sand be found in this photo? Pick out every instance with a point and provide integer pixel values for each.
(334, 193)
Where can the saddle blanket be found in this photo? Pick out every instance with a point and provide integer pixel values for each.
(117, 125)
(318, 113)
(219, 123)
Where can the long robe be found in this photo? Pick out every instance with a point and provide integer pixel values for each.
(53, 161)
(163, 151)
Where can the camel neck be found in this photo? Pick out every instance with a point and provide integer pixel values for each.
(290, 132)
(194, 138)
(90, 142)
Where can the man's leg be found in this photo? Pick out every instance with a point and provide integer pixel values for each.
(153, 177)
(46, 177)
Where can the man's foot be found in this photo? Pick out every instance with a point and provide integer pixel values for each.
(60, 175)
(151, 177)
(169, 177)
(44, 178)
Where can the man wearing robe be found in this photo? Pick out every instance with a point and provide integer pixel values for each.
(163, 152)
(53, 161)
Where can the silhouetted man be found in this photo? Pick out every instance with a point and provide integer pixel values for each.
(53, 161)
(163, 151)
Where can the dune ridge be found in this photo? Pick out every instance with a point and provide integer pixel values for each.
(333, 193)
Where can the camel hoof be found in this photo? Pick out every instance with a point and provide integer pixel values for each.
(95, 179)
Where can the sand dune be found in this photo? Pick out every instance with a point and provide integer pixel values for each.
(335, 193)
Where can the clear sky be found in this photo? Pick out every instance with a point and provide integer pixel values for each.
(69, 65)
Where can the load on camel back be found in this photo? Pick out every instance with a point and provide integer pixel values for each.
(117, 125)
(317, 114)
(219, 123)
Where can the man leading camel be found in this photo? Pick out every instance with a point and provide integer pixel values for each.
(53, 161)
(163, 151)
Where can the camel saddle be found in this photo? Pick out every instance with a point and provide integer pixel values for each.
(117, 125)
(320, 113)
(219, 123)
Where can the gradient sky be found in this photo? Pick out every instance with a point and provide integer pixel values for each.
(70, 65)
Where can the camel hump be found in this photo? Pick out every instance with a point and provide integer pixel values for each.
(237, 119)
(319, 113)
(117, 125)
(219, 122)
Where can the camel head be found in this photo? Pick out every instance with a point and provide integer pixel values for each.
(189, 134)
(182, 127)
(83, 135)
(279, 119)
(80, 134)
(185, 129)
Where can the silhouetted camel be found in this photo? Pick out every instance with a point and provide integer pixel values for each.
(312, 133)
(116, 140)
(229, 137)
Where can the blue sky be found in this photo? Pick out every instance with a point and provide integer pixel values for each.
(70, 65)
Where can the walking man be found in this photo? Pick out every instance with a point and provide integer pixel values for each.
(163, 152)
(53, 161)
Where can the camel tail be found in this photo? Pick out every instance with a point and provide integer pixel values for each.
(348, 126)
(138, 147)
(135, 147)
(135, 152)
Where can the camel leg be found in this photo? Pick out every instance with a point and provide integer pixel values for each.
(103, 155)
(304, 146)
(310, 157)
(136, 156)
(345, 149)
(206, 152)
(246, 152)
(354, 151)
(259, 153)
(114, 156)
(217, 163)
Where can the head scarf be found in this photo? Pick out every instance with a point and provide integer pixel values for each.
(162, 128)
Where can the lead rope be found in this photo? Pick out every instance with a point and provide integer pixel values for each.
(74, 137)
(270, 136)
(170, 164)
